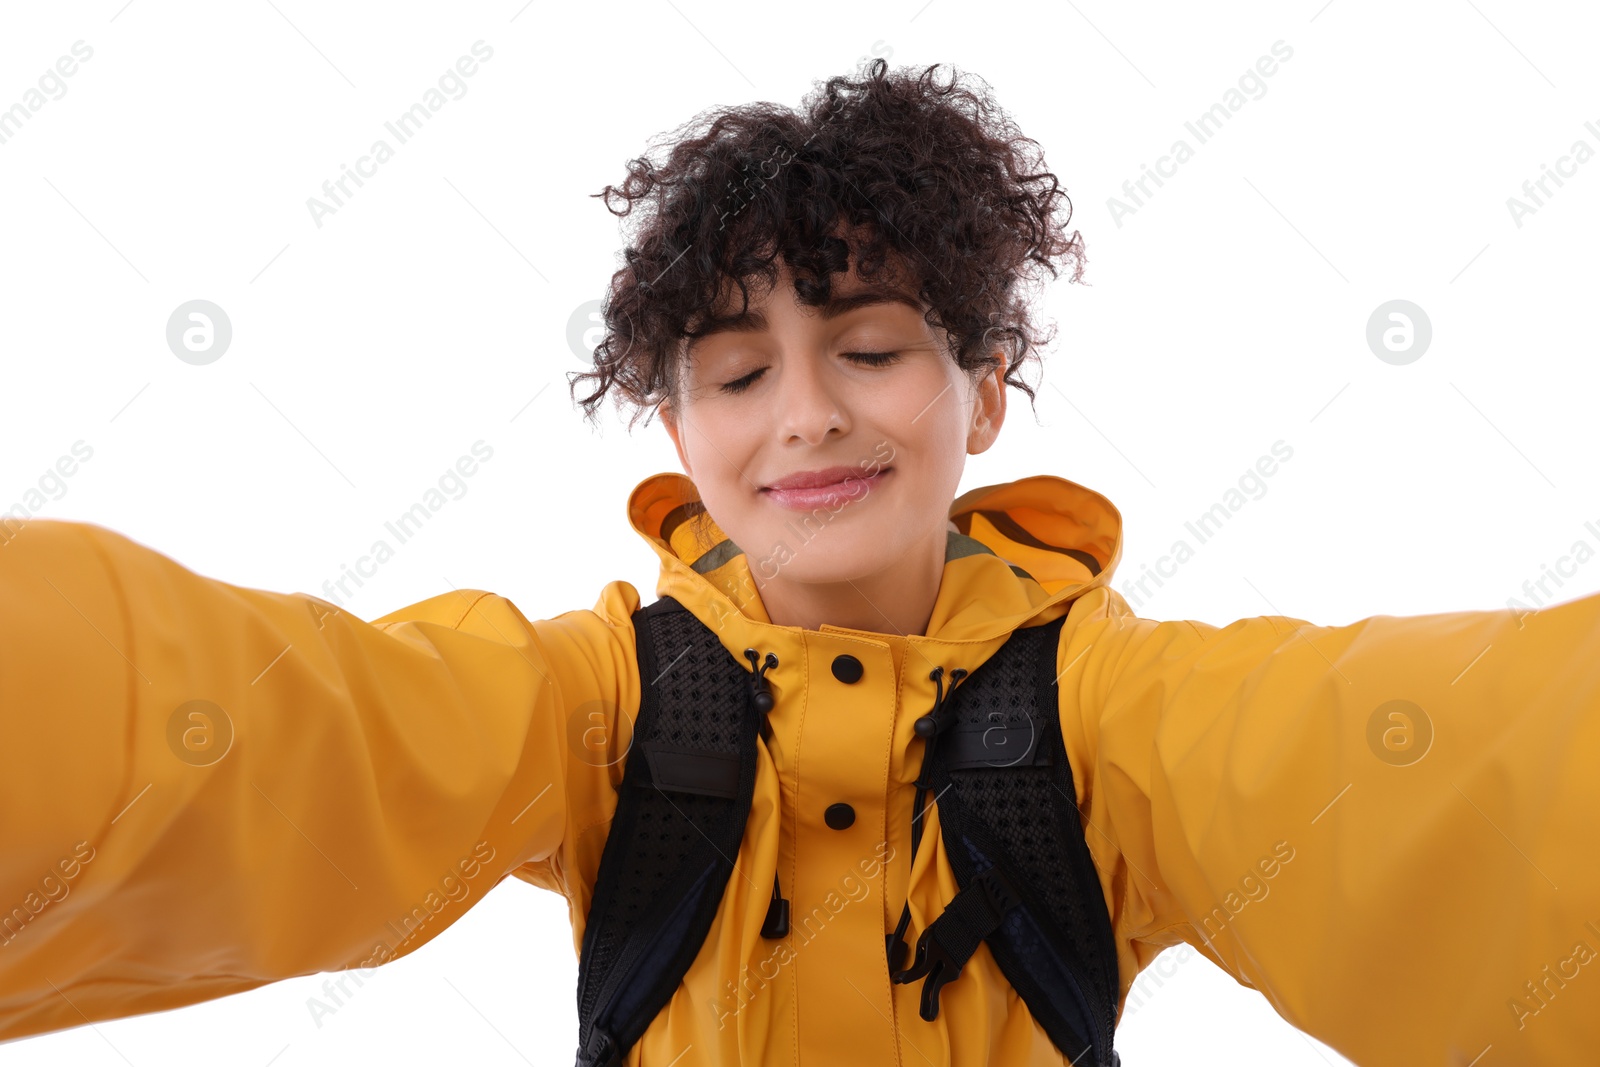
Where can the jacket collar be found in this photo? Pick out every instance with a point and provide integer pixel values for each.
(1020, 552)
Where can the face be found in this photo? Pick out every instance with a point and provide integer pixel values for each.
(828, 443)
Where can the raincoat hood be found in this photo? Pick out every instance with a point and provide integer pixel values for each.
(1017, 553)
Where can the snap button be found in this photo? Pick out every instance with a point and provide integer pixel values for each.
(847, 669)
(839, 816)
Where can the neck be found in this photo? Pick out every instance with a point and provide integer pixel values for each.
(898, 599)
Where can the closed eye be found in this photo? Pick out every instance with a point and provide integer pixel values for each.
(873, 359)
(739, 385)
(870, 359)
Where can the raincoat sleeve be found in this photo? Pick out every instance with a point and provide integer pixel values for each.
(205, 788)
(1388, 828)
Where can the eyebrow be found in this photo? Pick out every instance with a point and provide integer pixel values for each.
(756, 322)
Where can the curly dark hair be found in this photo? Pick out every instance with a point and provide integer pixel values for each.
(925, 178)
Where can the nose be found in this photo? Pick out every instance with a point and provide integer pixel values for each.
(809, 400)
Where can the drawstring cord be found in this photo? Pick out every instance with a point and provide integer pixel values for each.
(762, 698)
(777, 921)
(928, 727)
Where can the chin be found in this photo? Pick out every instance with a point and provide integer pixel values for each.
(821, 556)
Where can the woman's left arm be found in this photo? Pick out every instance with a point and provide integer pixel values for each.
(1388, 828)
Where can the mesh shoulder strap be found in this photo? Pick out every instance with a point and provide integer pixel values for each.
(1008, 817)
(681, 810)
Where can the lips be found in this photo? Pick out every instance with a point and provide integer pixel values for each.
(831, 487)
(817, 479)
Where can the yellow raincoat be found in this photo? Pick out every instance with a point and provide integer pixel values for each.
(1414, 883)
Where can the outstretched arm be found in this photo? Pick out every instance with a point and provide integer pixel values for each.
(205, 788)
(1388, 828)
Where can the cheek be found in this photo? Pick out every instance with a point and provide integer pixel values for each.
(929, 414)
(720, 447)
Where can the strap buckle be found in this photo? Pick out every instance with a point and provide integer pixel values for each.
(948, 942)
(936, 965)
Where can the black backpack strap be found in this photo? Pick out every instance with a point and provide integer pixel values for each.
(680, 817)
(1009, 820)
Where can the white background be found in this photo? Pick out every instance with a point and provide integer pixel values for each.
(432, 310)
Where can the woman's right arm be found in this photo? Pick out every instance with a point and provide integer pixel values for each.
(205, 788)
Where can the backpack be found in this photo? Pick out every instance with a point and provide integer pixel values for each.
(993, 757)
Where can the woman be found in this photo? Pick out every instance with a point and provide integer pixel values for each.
(1367, 823)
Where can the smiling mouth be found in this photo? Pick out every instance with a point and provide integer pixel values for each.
(848, 487)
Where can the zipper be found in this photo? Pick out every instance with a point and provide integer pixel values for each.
(1100, 1037)
(624, 970)
(1089, 1005)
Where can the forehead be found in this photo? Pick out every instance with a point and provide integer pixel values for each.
(847, 292)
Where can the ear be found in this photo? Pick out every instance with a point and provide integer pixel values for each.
(988, 408)
(669, 419)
